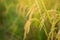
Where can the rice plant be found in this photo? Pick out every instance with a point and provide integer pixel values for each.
(29, 19)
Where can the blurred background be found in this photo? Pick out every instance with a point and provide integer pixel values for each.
(29, 19)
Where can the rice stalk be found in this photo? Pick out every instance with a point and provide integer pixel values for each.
(58, 35)
(38, 7)
(30, 10)
(43, 17)
(45, 9)
(28, 23)
(51, 33)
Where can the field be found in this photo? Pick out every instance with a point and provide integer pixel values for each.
(29, 19)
